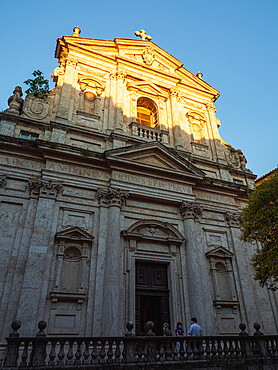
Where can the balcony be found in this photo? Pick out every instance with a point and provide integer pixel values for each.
(149, 133)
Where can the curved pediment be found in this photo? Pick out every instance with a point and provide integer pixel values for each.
(154, 230)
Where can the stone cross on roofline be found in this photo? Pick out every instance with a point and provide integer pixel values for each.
(143, 35)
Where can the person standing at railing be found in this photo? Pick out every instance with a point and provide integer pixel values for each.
(166, 330)
(179, 333)
(195, 330)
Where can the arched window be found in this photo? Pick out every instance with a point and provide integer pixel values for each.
(147, 112)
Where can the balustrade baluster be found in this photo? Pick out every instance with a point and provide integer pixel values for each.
(161, 351)
(118, 351)
(69, 360)
(201, 348)
(102, 352)
(168, 352)
(189, 348)
(110, 352)
(61, 354)
(275, 347)
(213, 348)
(182, 351)
(207, 349)
(175, 350)
(232, 348)
(24, 355)
(52, 354)
(95, 352)
(78, 353)
(86, 353)
(226, 347)
(140, 352)
(239, 351)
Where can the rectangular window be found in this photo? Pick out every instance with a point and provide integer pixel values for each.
(28, 135)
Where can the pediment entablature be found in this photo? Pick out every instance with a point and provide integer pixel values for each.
(219, 252)
(146, 87)
(74, 234)
(154, 154)
(153, 231)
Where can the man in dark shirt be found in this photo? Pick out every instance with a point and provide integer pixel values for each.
(166, 331)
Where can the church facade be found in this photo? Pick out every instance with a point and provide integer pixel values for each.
(120, 201)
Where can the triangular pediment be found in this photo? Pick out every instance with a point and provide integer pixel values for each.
(147, 88)
(142, 54)
(152, 155)
(74, 233)
(219, 252)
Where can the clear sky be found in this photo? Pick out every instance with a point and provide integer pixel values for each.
(234, 43)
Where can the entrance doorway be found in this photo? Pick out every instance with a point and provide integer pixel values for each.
(152, 296)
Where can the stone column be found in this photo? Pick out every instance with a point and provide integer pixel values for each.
(113, 279)
(175, 118)
(243, 273)
(119, 101)
(190, 213)
(32, 293)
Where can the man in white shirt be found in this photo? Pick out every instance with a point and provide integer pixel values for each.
(195, 330)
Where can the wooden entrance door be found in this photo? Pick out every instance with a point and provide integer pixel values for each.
(152, 296)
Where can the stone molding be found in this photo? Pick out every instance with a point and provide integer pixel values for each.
(233, 219)
(111, 197)
(46, 188)
(3, 181)
(190, 210)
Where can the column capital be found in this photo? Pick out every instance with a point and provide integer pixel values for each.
(46, 188)
(111, 197)
(190, 210)
(233, 219)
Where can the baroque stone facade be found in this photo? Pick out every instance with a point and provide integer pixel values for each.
(120, 201)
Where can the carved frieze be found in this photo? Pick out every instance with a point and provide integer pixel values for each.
(111, 197)
(3, 180)
(232, 219)
(190, 210)
(46, 188)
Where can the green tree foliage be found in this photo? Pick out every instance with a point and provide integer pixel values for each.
(38, 85)
(260, 224)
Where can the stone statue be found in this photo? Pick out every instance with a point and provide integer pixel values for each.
(243, 160)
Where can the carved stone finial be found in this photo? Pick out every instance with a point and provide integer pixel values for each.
(111, 197)
(41, 325)
(233, 219)
(129, 327)
(242, 328)
(15, 101)
(257, 328)
(150, 326)
(76, 32)
(16, 324)
(143, 35)
(200, 75)
(190, 210)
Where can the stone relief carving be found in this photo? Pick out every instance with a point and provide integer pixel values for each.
(111, 197)
(36, 107)
(190, 210)
(148, 55)
(3, 180)
(47, 188)
(15, 101)
(232, 219)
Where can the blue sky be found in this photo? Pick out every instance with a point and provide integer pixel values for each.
(233, 43)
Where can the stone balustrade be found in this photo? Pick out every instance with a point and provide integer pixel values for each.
(149, 133)
(211, 352)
